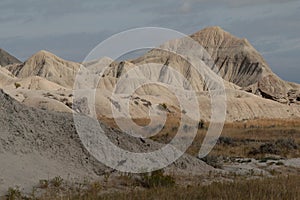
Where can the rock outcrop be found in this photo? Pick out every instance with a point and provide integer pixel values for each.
(7, 59)
(238, 62)
(250, 84)
(235, 60)
(6, 77)
(49, 66)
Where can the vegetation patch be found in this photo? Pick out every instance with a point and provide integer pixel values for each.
(275, 147)
(157, 179)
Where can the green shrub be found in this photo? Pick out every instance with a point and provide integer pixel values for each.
(17, 85)
(57, 181)
(287, 143)
(157, 179)
(275, 147)
(226, 141)
(13, 194)
(94, 188)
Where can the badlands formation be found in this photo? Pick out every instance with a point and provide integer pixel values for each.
(253, 91)
(38, 138)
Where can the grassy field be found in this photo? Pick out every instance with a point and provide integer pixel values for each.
(253, 142)
(283, 187)
(268, 188)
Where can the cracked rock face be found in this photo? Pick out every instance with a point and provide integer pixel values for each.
(238, 62)
(294, 96)
(235, 59)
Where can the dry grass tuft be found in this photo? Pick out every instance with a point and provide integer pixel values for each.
(269, 188)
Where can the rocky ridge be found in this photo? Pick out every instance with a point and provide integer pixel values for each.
(7, 59)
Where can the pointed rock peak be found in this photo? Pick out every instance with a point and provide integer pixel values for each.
(216, 36)
(7, 59)
(43, 53)
(43, 57)
(212, 30)
(217, 29)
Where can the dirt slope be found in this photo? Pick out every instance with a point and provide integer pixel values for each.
(37, 144)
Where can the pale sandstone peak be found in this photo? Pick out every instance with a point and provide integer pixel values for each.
(48, 66)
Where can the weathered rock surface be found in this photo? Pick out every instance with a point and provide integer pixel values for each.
(243, 69)
(49, 66)
(7, 59)
(238, 62)
(6, 77)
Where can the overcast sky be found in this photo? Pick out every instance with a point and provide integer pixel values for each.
(71, 29)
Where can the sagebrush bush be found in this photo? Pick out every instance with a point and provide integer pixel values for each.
(287, 143)
(57, 181)
(17, 85)
(157, 179)
(275, 147)
(226, 141)
(13, 194)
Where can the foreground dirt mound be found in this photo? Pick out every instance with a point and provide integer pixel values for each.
(37, 144)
